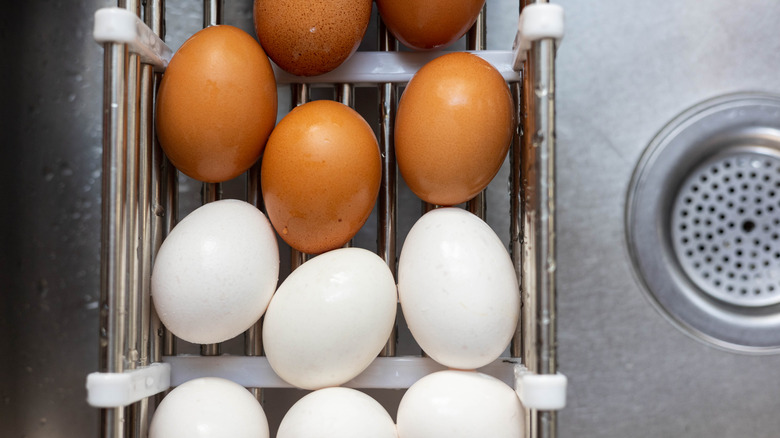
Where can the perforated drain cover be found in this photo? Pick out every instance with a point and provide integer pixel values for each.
(703, 222)
(725, 225)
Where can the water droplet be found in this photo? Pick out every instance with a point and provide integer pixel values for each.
(71, 97)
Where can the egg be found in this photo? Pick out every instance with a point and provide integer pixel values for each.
(460, 404)
(209, 407)
(330, 318)
(429, 24)
(216, 104)
(337, 413)
(214, 274)
(453, 128)
(308, 38)
(458, 289)
(320, 176)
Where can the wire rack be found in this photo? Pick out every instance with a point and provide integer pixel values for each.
(140, 201)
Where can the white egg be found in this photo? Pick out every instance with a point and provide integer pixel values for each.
(458, 289)
(460, 404)
(337, 413)
(209, 407)
(330, 318)
(216, 271)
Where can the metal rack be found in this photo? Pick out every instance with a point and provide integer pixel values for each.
(140, 207)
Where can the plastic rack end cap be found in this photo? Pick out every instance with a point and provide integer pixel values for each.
(537, 21)
(544, 392)
(112, 390)
(114, 25)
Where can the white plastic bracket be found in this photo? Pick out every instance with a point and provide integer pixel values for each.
(537, 21)
(113, 390)
(544, 392)
(118, 25)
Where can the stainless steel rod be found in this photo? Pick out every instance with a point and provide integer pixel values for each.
(113, 290)
(212, 12)
(136, 412)
(162, 201)
(345, 93)
(538, 210)
(546, 305)
(132, 209)
(476, 39)
(516, 213)
(388, 198)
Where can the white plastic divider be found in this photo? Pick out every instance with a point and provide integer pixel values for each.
(537, 21)
(543, 392)
(118, 25)
(107, 390)
(371, 68)
(110, 390)
(384, 372)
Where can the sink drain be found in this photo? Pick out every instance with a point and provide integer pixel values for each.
(726, 227)
(703, 222)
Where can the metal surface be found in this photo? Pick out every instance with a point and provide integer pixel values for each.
(624, 70)
(705, 176)
(538, 189)
(387, 199)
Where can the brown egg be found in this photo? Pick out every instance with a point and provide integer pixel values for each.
(429, 24)
(308, 38)
(320, 175)
(453, 128)
(217, 104)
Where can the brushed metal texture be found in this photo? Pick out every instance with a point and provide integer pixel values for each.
(625, 69)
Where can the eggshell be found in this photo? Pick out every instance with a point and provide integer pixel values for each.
(453, 128)
(308, 38)
(458, 289)
(216, 104)
(460, 404)
(330, 318)
(429, 24)
(215, 272)
(209, 407)
(337, 413)
(320, 176)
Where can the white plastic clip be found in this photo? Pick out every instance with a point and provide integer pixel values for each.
(537, 21)
(113, 390)
(118, 25)
(544, 392)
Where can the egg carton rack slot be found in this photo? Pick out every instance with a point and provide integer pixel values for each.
(545, 392)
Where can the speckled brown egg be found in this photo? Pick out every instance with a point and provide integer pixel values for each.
(308, 38)
(429, 24)
(216, 105)
(320, 175)
(453, 128)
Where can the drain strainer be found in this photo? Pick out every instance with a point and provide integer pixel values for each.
(703, 222)
(726, 227)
